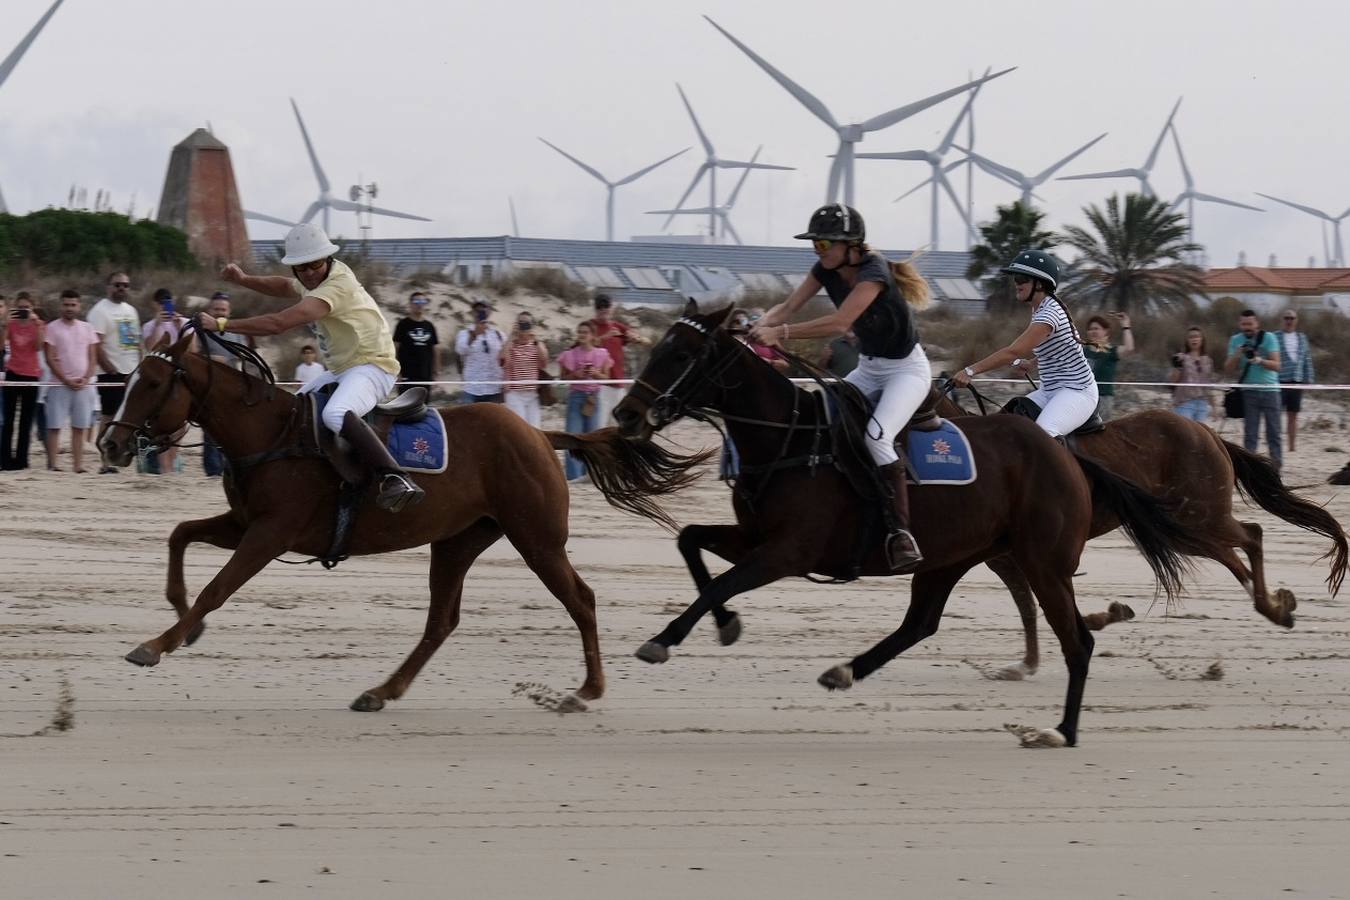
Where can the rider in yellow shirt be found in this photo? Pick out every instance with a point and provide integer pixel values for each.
(353, 335)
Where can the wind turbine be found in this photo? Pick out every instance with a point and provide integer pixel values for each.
(515, 226)
(326, 201)
(938, 175)
(1143, 171)
(709, 167)
(17, 54)
(713, 211)
(612, 185)
(1026, 183)
(1190, 194)
(1339, 259)
(841, 171)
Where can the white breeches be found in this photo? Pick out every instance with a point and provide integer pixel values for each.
(904, 385)
(358, 390)
(1064, 410)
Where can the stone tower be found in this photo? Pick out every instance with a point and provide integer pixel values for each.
(201, 200)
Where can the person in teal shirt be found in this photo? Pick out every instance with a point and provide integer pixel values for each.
(1254, 356)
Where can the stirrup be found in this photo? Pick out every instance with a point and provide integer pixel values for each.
(902, 551)
(398, 495)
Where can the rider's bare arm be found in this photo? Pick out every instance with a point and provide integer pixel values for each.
(309, 309)
(780, 313)
(271, 285)
(1018, 349)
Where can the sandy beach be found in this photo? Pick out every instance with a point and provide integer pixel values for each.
(235, 769)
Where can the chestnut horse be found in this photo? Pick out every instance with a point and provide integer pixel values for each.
(1033, 500)
(502, 478)
(1190, 466)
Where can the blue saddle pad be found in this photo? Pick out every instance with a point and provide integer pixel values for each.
(942, 456)
(420, 446)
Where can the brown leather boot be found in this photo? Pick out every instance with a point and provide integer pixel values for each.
(396, 489)
(902, 551)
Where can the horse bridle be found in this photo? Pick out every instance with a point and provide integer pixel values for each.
(666, 406)
(145, 431)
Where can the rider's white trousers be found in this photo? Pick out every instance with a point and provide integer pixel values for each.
(1065, 409)
(358, 389)
(904, 385)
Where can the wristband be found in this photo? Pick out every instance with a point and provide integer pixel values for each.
(220, 324)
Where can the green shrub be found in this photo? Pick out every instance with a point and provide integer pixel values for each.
(66, 240)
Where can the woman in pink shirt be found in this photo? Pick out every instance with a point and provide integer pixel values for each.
(581, 363)
(25, 335)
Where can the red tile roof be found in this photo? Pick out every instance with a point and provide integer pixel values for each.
(1278, 281)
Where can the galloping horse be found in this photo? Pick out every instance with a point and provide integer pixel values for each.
(1194, 469)
(1033, 500)
(502, 478)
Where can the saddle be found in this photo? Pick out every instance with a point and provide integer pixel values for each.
(851, 417)
(1025, 406)
(408, 408)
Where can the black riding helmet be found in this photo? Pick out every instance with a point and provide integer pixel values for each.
(835, 222)
(1038, 264)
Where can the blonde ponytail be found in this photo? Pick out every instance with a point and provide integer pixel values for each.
(913, 287)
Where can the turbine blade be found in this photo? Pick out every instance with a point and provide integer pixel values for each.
(1157, 145)
(898, 154)
(640, 172)
(1181, 158)
(312, 211)
(804, 97)
(685, 211)
(17, 53)
(731, 229)
(309, 147)
(966, 110)
(1118, 173)
(1040, 179)
(998, 170)
(1300, 207)
(737, 164)
(579, 163)
(698, 176)
(745, 173)
(707, 144)
(887, 119)
(263, 217)
(1210, 198)
(951, 195)
(920, 186)
(349, 206)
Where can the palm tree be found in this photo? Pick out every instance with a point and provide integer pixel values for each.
(1135, 260)
(1016, 227)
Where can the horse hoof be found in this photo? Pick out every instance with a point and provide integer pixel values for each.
(1015, 672)
(143, 655)
(1286, 602)
(840, 678)
(1037, 738)
(653, 652)
(194, 634)
(367, 702)
(571, 704)
(1119, 612)
(729, 633)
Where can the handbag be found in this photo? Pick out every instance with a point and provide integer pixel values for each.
(1234, 401)
(588, 405)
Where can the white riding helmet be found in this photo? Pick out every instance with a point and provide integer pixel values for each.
(305, 243)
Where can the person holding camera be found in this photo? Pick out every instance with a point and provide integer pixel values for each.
(522, 361)
(1104, 356)
(1255, 355)
(1192, 366)
(580, 364)
(24, 334)
(479, 350)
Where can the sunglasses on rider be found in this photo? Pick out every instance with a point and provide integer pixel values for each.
(311, 266)
(822, 245)
(1021, 279)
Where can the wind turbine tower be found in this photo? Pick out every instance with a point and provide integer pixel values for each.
(17, 54)
(1142, 173)
(841, 171)
(718, 213)
(611, 186)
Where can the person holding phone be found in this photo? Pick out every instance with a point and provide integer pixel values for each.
(581, 364)
(167, 321)
(1104, 356)
(1192, 366)
(479, 348)
(522, 359)
(25, 336)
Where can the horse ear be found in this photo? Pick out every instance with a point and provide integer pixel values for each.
(690, 308)
(179, 347)
(719, 318)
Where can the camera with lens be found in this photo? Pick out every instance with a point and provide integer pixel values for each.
(1249, 351)
(19, 314)
(1176, 360)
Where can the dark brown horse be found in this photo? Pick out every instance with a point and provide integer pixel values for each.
(1194, 469)
(503, 478)
(1033, 500)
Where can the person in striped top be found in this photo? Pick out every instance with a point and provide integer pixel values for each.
(522, 360)
(1067, 396)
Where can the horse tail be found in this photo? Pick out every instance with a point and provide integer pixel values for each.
(631, 473)
(1147, 521)
(1259, 481)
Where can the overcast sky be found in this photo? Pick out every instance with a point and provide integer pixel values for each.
(441, 103)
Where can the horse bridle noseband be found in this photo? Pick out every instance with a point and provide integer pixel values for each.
(145, 431)
(665, 406)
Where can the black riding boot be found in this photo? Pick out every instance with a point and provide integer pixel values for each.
(396, 489)
(902, 551)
